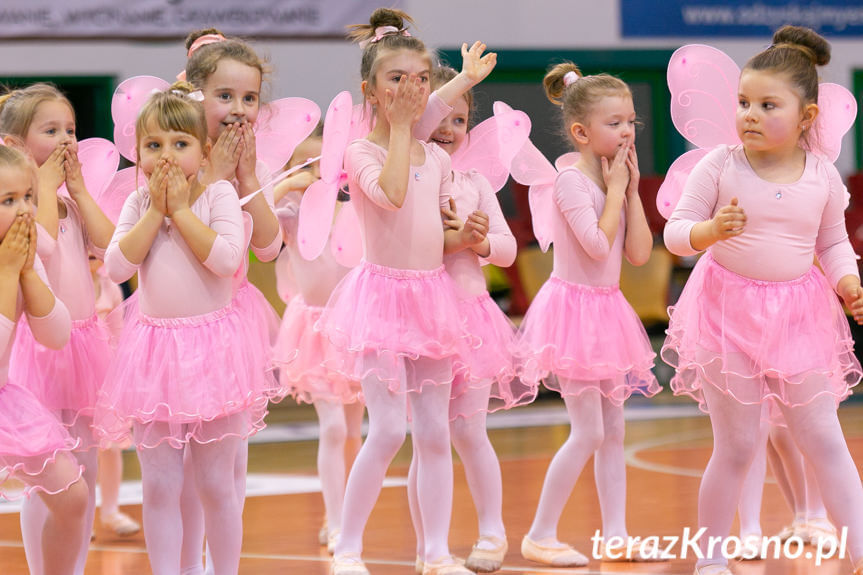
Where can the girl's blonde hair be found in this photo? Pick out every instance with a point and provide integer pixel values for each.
(173, 110)
(578, 94)
(18, 107)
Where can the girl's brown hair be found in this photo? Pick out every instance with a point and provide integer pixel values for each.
(204, 61)
(173, 110)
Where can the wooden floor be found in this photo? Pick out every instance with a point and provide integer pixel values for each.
(665, 459)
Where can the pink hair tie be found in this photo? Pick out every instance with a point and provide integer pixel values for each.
(382, 32)
(200, 41)
(570, 78)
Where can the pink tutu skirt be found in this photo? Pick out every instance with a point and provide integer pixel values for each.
(402, 326)
(263, 321)
(31, 439)
(182, 379)
(67, 381)
(588, 337)
(788, 341)
(307, 359)
(488, 382)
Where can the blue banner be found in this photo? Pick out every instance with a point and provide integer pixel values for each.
(649, 18)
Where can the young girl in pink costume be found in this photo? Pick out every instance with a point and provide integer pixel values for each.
(396, 315)
(187, 369)
(68, 380)
(109, 297)
(756, 319)
(491, 364)
(304, 354)
(230, 74)
(35, 447)
(580, 335)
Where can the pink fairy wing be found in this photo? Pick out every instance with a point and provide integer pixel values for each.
(128, 99)
(542, 213)
(530, 167)
(319, 200)
(361, 123)
(703, 83)
(672, 187)
(346, 241)
(566, 160)
(491, 145)
(114, 194)
(99, 160)
(837, 110)
(281, 126)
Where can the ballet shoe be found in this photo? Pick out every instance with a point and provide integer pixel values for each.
(348, 564)
(822, 535)
(797, 528)
(618, 553)
(446, 566)
(332, 539)
(419, 565)
(487, 560)
(324, 534)
(713, 570)
(120, 524)
(858, 568)
(553, 556)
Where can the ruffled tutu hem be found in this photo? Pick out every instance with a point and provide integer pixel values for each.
(487, 380)
(787, 341)
(303, 355)
(174, 375)
(263, 321)
(67, 379)
(400, 326)
(589, 337)
(31, 439)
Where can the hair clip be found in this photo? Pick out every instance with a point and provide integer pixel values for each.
(382, 32)
(197, 96)
(570, 78)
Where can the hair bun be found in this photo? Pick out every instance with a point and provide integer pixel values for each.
(807, 39)
(388, 17)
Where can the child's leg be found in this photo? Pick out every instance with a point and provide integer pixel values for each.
(191, 556)
(735, 441)
(110, 478)
(331, 459)
(354, 423)
(814, 502)
(430, 414)
(481, 469)
(585, 437)
(63, 525)
(89, 459)
(788, 470)
(413, 503)
(34, 514)
(816, 430)
(387, 416)
(609, 468)
(241, 466)
(214, 466)
(749, 507)
(162, 482)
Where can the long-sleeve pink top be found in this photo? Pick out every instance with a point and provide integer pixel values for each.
(786, 224)
(271, 251)
(51, 330)
(172, 282)
(316, 279)
(582, 253)
(409, 237)
(67, 262)
(472, 192)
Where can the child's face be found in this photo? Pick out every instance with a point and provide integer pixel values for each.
(452, 130)
(16, 195)
(611, 124)
(392, 65)
(232, 94)
(156, 144)
(53, 125)
(769, 111)
(307, 149)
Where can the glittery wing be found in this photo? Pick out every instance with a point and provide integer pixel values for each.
(127, 101)
(319, 200)
(99, 159)
(282, 124)
(114, 195)
(837, 110)
(492, 144)
(703, 83)
(346, 241)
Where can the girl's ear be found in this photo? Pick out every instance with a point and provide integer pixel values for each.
(368, 93)
(208, 147)
(810, 113)
(579, 134)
